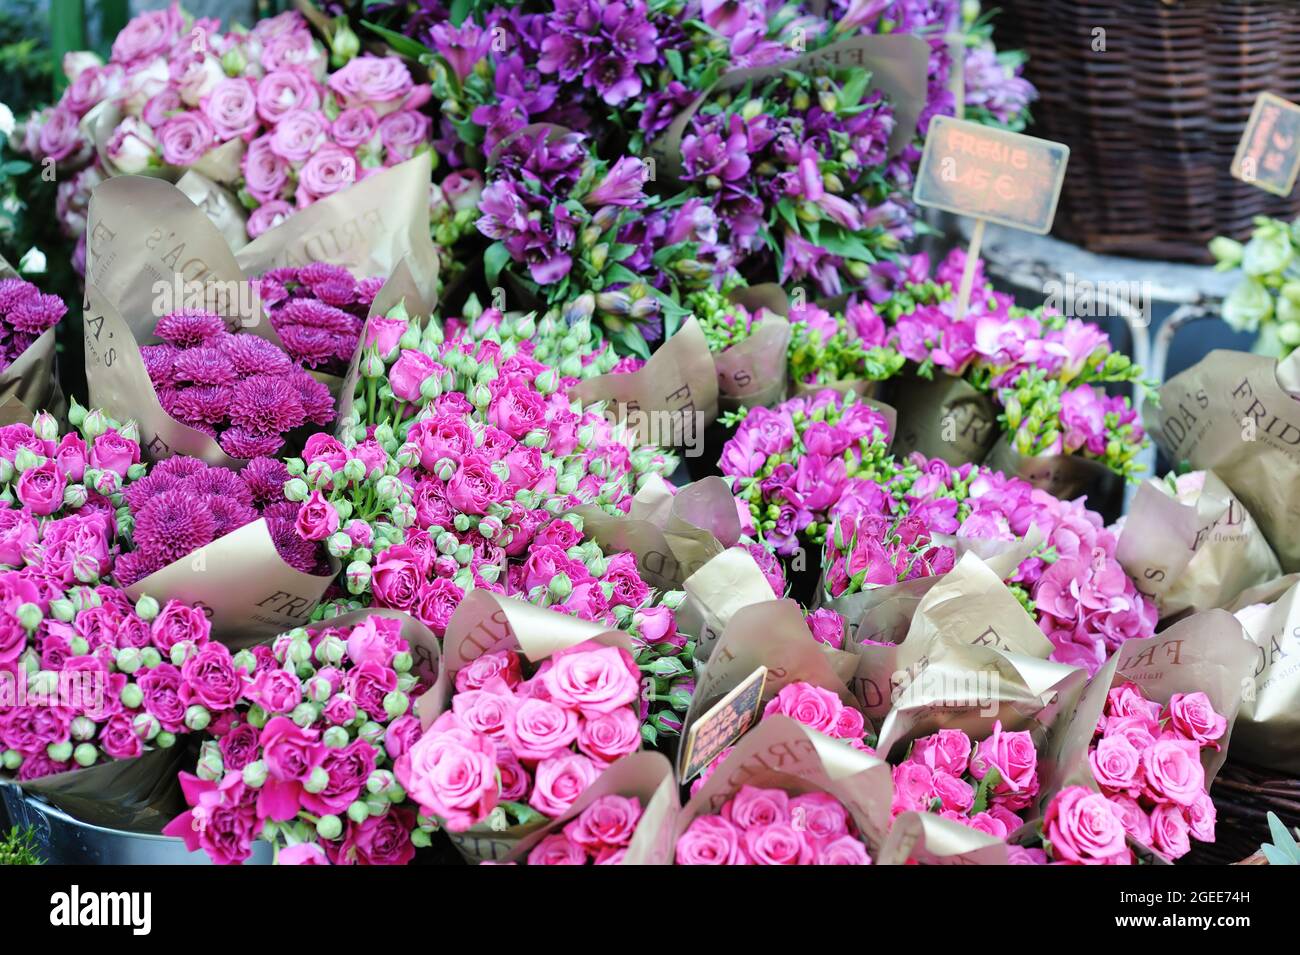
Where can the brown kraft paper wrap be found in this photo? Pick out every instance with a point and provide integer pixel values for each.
(485, 622)
(771, 634)
(929, 839)
(898, 65)
(1208, 652)
(961, 605)
(646, 777)
(222, 209)
(241, 583)
(671, 535)
(1193, 556)
(716, 592)
(678, 382)
(29, 384)
(752, 373)
(944, 417)
(132, 795)
(782, 754)
(1066, 476)
(1267, 733)
(1002, 557)
(1237, 415)
(367, 228)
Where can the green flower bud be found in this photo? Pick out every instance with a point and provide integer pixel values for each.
(165, 740)
(12, 759)
(82, 728)
(146, 608)
(197, 717)
(304, 714)
(132, 696)
(336, 737)
(396, 704)
(402, 661)
(421, 839)
(151, 657)
(329, 827)
(146, 726)
(317, 781)
(296, 489)
(30, 616)
(85, 754)
(358, 812)
(59, 752)
(128, 660)
(255, 774)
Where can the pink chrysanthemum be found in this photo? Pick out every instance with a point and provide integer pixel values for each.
(13, 292)
(265, 404)
(317, 404)
(173, 524)
(240, 443)
(179, 467)
(206, 403)
(158, 363)
(252, 355)
(265, 479)
(203, 366)
(299, 554)
(188, 328)
(217, 482)
(135, 566)
(230, 514)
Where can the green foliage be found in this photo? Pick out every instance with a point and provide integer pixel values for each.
(1283, 850)
(19, 848)
(26, 70)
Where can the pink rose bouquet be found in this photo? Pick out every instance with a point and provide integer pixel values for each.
(304, 759)
(181, 90)
(516, 747)
(985, 786)
(87, 676)
(239, 389)
(25, 313)
(771, 827)
(318, 311)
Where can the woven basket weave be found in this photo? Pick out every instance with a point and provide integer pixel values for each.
(1154, 119)
(1243, 797)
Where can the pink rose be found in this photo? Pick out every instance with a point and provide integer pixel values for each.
(753, 807)
(60, 136)
(381, 83)
(845, 850)
(1085, 829)
(820, 816)
(1201, 818)
(239, 746)
(222, 822)
(354, 128)
(1173, 772)
(1169, 831)
(317, 518)
(1135, 729)
(451, 775)
(282, 91)
(409, 373)
(148, 34)
(265, 173)
(777, 844)
(18, 532)
(395, 580)
(655, 624)
(490, 712)
(559, 781)
(267, 216)
(178, 623)
(303, 853)
(710, 840)
(298, 135)
(368, 683)
(502, 664)
(348, 769)
(1115, 763)
(329, 169)
(541, 729)
(402, 734)
(608, 822)
(70, 455)
(275, 690)
(384, 335)
(291, 753)
(231, 108)
(112, 452)
(807, 704)
(380, 840)
(913, 788)
(956, 794)
(1016, 761)
(1133, 816)
(375, 639)
(210, 678)
(161, 687)
(1127, 700)
(40, 489)
(608, 737)
(118, 738)
(827, 627)
(402, 132)
(133, 148)
(1194, 716)
(946, 750)
(593, 681)
(557, 849)
(185, 138)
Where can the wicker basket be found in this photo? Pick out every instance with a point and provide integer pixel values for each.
(1244, 796)
(1154, 119)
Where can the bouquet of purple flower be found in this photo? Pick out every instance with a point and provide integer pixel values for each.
(25, 314)
(318, 311)
(241, 389)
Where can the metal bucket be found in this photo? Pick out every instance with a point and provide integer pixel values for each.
(62, 840)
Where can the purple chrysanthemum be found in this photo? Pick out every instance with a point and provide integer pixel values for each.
(317, 403)
(240, 443)
(209, 404)
(230, 514)
(133, 567)
(266, 404)
(203, 366)
(252, 355)
(158, 362)
(265, 478)
(217, 482)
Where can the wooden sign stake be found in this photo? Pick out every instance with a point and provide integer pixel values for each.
(968, 273)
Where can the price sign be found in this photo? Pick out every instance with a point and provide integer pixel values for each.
(1268, 155)
(724, 723)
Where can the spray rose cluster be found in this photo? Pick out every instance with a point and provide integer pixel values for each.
(815, 707)
(985, 785)
(1071, 582)
(513, 748)
(97, 677)
(770, 827)
(1146, 759)
(179, 88)
(61, 499)
(826, 348)
(793, 464)
(240, 389)
(304, 758)
(598, 836)
(25, 313)
(318, 311)
(183, 505)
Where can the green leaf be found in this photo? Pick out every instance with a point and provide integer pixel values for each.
(494, 260)
(522, 813)
(628, 340)
(991, 779)
(402, 45)
(674, 58)
(785, 209)
(618, 274)
(459, 11)
(669, 252)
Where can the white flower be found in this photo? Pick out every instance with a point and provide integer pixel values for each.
(32, 262)
(6, 120)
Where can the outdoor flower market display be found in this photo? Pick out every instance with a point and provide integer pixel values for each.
(487, 432)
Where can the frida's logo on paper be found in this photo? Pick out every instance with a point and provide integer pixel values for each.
(86, 909)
